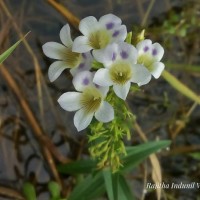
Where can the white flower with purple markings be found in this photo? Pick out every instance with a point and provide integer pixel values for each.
(87, 102)
(120, 69)
(98, 34)
(149, 55)
(76, 62)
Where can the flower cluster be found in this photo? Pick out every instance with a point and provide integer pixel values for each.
(120, 64)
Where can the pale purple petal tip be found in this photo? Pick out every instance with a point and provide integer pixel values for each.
(114, 56)
(124, 55)
(115, 34)
(146, 48)
(86, 81)
(154, 52)
(109, 25)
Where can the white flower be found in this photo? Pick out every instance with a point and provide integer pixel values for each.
(88, 102)
(66, 58)
(149, 55)
(98, 34)
(120, 68)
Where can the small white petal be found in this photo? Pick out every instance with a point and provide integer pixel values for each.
(54, 50)
(70, 101)
(156, 69)
(81, 120)
(119, 34)
(87, 24)
(103, 90)
(106, 56)
(145, 81)
(109, 21)
(140, 74)
(127, 52)
(65, 36)
(122, 90)
(56, 69)
(80, 45)
(82, 80)
(157, 51)
(102, 78)
(144, 46)
(105, 112)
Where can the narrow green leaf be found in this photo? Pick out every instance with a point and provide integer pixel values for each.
(107, 174)
(80, 166)
(89, 189)
(174, 82)
(29, 191)
(135, 155)
(121, 188)
(54, 189)
(129, 37)
(4, 55)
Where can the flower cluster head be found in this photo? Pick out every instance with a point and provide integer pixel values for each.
(120, 65)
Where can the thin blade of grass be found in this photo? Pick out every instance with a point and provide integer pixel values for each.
(7, 53)
(107, 175)
(135, 155)
(178, 85)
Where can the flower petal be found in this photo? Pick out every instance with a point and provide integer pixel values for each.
(103, 90)
(127, 52)
(105, 112)
(81, 120)
(85, 64)
(82, 80)
(119, 34)
(56, 69)
(65, 36)
(80, 45)
(109, 21)
(156, 69)
(157, 51)
(140, 74)
(87, 24)
(122, 90)
(144, 46)
(102, 78)
(70, 101)
(54, 50)
(106, 56)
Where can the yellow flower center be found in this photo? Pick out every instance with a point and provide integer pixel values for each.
(120, 73)
(145, 60)
(99, 39)
(91, 99)
(72, 58)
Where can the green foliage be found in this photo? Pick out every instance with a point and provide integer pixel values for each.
(97, 183)
(178, 85)
(90, 188)
(136, 154)
(106, 140)
(29, 191)
(97, 65)
(78, 167)
(5, 55)
(54, 190)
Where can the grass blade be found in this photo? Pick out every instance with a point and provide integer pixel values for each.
(5, 55)
(135, 155)
(80, 166)
(174, 82)
(121, 188)
(107, 174)
(90, 188)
